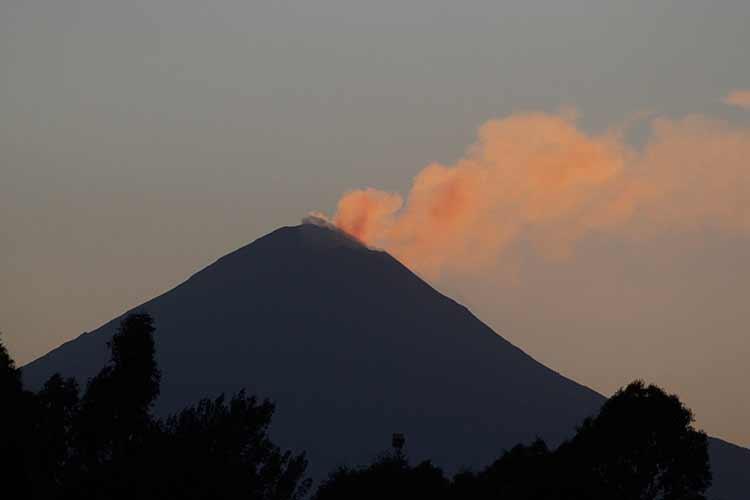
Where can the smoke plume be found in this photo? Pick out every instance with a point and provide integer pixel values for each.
(739, 99)
(538, 178)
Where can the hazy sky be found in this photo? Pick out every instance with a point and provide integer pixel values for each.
(141, 140)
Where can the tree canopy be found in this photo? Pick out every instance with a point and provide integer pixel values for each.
(640, 446)
(105, 443)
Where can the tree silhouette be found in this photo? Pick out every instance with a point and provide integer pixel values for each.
(216, 449)
(10, 376)
(108, 445)
(15, 407)
(220, 449)
(516, 474)
(116, 408)
(389, 476)
(641, 445)
(49, 447)
(112, 424)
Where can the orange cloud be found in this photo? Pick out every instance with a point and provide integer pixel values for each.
(738, 98)
(539, 178)
(364, 212)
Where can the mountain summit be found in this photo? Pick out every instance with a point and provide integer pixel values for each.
(351, 346)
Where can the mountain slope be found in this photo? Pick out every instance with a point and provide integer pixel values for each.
(351, 346)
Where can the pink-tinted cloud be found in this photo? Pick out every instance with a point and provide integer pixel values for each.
(539, 178)
(738, 98)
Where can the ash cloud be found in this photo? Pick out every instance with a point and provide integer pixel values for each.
(539, 177)
(738, 98)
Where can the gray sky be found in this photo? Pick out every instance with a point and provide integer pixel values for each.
(141, 140)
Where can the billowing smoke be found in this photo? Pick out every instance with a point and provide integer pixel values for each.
(738, 98)
(539, 179)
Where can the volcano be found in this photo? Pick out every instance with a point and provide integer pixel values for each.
(352, 347)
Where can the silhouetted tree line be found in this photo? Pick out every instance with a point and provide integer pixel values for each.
(641, 446)
(105, 443)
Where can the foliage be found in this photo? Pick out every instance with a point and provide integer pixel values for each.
(107, 444)
(641, 446)
(229, 440)
(390, 476)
